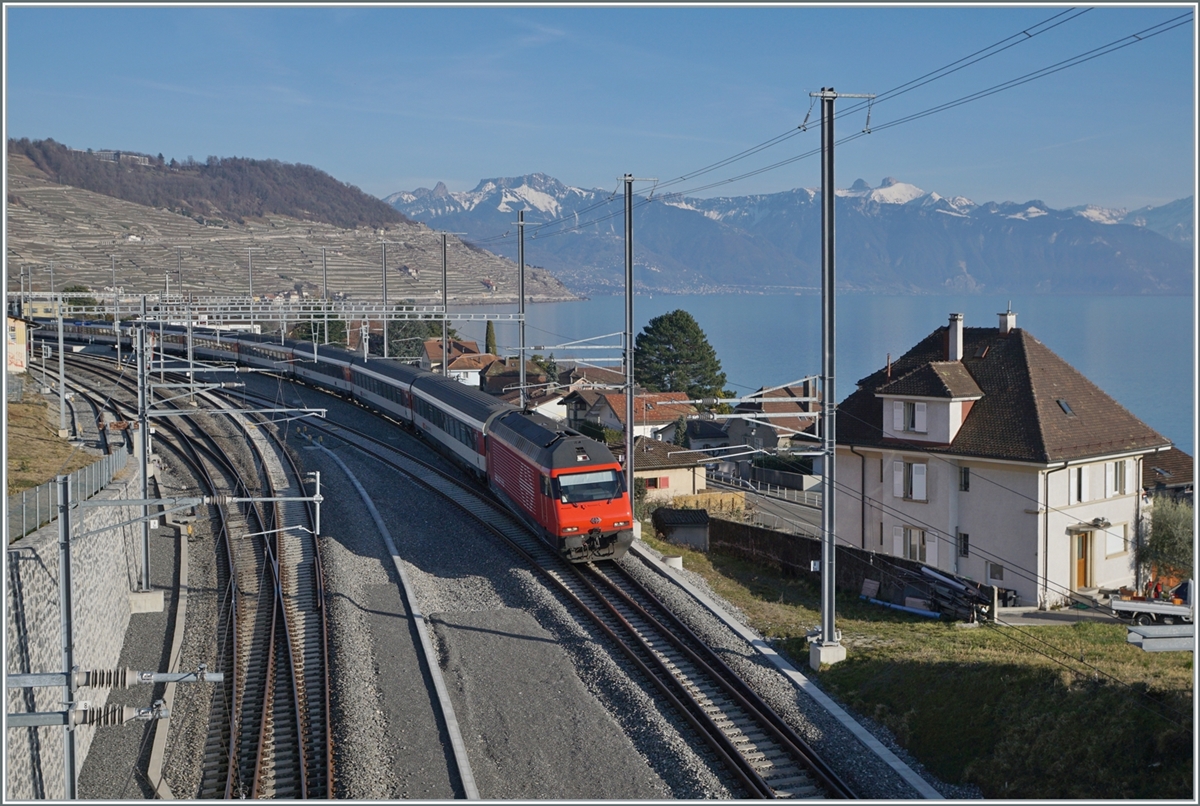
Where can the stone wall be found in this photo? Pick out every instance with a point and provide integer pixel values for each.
(104, 571)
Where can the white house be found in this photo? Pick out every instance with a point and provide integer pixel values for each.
(983, 453)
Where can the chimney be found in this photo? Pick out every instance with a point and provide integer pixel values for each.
(954, 341)
(1008, 320)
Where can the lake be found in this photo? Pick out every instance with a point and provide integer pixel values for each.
(1140, 350)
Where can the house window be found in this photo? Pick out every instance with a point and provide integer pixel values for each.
(908, 416)
(914, 544)
(908, 480)
(964, 479)
(1079, 481)
(996, 572)
(1116, 540)
(964, 544)
(658, 483)
(1115, 478)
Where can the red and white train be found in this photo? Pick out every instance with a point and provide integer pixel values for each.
(566, 487)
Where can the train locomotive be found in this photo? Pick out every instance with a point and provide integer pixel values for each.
(566, 487)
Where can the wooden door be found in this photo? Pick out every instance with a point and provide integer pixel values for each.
(1082, 543)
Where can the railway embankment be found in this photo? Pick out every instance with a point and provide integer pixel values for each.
(104, 568)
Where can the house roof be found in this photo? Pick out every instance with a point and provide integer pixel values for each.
(948, 379)
(578, 375)
(653, 454)
(1170, 468)
(1018, 416)
(472, 361)
(433, 348)
(651, 408)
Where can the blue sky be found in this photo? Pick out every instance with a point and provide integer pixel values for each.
(393, 98)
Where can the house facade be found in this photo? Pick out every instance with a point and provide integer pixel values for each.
(982, 453)
(668, 470)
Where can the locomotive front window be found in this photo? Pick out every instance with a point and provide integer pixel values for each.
(599, 485)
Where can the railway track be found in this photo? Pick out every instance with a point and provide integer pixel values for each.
(269, 734)
(766, 757)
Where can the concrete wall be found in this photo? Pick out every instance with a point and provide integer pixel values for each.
(104, 572)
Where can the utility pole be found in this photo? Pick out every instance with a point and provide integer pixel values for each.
(828, 649)
(521, 296)
(629, 387)
(62, 375)
(144, 442)
(629, 337)
(383, 261)
(445, 312)
(116, 309)
(68, 636)
(324, 293)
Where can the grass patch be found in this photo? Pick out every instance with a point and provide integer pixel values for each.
(35, 452)
(1067, 711)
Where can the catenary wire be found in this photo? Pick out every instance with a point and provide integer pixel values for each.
(1131, 39)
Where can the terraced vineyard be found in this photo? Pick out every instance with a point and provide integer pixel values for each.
(80, 231)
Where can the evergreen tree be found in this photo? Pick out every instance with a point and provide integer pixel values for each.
(489, 339)
(681, 437)
(673, 355)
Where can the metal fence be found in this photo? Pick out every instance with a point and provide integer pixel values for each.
(30, 510)
(806, 497)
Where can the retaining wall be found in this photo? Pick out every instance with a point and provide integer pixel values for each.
(104, 568)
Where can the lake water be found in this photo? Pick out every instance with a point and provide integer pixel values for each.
(1140, 350)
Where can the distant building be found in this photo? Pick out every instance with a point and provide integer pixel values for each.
(431, 352)
(668, 470)
(17, 344)
(983, 453)
(1170, 472)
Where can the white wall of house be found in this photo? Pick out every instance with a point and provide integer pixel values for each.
(678, 481)
(1011, 533)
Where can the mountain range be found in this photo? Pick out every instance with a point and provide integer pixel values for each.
(893, 238)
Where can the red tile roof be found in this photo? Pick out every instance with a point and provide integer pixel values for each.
(651, 408)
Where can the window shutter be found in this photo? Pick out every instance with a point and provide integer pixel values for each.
(897, 416)
(931, 544)
(1110, 478)
(664, 482)
(1083, 484)
(898, 479)
(919, 418)
(918, 482)
(1124, 480)
(898, 541)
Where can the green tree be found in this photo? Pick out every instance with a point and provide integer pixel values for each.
(314, 328)
(489, 339)
(547, 365)
(73, 302)
(406, 335)
(673, 355)
(1168, 548)
(681, 438)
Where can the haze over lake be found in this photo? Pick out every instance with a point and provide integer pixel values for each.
(1137, 349)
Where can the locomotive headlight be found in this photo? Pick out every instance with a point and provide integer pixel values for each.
(621, 523)
(567, 529)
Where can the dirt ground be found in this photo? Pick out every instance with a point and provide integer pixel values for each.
(35, 452)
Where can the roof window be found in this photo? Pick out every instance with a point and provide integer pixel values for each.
(1062, 404)
(982, 351)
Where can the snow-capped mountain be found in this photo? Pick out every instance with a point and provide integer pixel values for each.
(895, 236)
